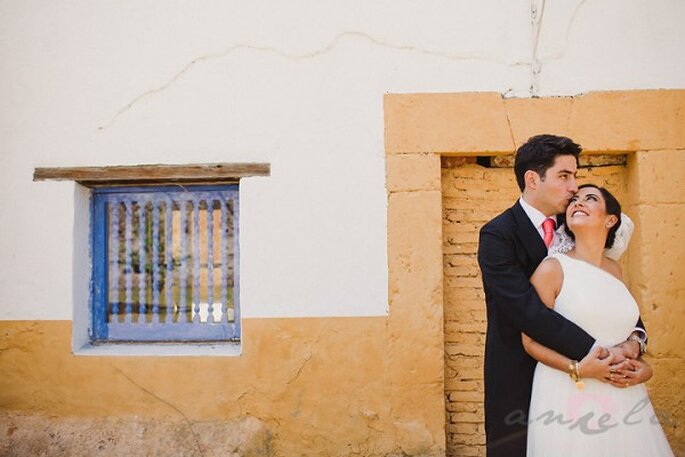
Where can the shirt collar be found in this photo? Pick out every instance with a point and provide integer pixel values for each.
(534, 214)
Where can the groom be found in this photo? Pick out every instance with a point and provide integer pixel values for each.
(511, 247)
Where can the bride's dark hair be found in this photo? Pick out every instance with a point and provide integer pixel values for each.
(612, 207)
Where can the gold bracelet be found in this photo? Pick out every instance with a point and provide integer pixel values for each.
(574, 373)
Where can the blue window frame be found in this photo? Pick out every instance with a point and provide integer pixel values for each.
(165, 264)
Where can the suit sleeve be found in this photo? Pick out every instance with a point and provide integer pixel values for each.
(510, 291)
(639, 324)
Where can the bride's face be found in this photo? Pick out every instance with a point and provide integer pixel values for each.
(587, 208)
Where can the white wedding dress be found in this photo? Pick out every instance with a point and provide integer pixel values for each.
(600, 420)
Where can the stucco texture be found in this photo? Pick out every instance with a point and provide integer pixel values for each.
(302, 386)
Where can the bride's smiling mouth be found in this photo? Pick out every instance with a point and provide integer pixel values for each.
(579, 212)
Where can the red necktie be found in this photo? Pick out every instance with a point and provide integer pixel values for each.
(548, 229)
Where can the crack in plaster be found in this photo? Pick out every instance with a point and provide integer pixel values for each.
(244, 412)
(303, 56)
(569, 26)
(570, 114)
(511, 129)
(307, 358)
(509, 93)
(310, 354)
(241, 396)
(536, 66)
(169, 404)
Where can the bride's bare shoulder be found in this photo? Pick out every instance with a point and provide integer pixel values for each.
(613, 267)
(547, 280)
(549, 271)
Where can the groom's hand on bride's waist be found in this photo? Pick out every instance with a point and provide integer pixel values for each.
(618, 353)
(626, 350)
(630, 349)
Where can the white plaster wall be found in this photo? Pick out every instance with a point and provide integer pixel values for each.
(594, 45)
(297, 84)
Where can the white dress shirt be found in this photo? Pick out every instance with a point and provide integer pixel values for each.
(536, 217)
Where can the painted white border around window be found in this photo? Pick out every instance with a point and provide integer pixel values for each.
(81, 318)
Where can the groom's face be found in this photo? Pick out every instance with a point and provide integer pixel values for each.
(558, 185)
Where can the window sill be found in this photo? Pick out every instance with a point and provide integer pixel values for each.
(154, 174)
(161, 350)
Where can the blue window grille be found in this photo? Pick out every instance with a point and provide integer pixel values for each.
(165, 264)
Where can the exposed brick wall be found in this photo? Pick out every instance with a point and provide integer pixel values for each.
(472, 195)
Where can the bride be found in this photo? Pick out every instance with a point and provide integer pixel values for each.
(575, 410)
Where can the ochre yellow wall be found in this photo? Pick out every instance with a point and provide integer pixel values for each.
(319, 386)
(647, 126)
(657, 267)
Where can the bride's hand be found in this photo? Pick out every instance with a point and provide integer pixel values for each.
(592, 366)
(633, 372)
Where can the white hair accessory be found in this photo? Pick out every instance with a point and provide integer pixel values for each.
(563, 242)
(623, 235)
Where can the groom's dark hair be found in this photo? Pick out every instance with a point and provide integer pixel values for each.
(538, 154)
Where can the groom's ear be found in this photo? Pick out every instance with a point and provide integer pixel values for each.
(531, 178)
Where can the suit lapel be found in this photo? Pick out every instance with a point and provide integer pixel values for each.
(529, 236)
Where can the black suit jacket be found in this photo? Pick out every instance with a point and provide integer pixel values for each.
(509, 251)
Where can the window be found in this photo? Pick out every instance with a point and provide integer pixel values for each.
(165, 264)
(156, 257)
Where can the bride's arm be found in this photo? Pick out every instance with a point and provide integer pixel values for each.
(547, 281)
